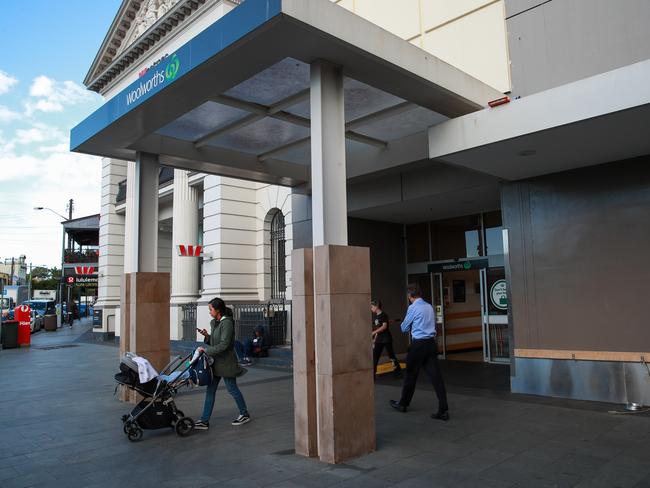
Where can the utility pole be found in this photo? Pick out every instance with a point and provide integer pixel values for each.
(13, 260)
(70, 208)
(29, 285)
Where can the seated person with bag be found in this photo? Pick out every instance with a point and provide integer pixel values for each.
(257, 347)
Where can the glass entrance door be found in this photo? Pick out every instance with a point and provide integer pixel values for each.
(439, 309)
(496, 343)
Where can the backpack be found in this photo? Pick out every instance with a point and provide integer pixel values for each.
(201, 371)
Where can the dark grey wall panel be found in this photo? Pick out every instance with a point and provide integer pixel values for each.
(566, 40)
(579, 267)
(387, 267)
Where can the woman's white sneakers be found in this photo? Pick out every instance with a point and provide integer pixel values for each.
(241, 420)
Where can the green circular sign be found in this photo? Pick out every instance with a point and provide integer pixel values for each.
(498, 295)
(467, 265)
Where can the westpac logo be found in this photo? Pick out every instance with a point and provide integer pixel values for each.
(158, 77)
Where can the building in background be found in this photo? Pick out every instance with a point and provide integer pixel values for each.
(81, 259)
(14, 270)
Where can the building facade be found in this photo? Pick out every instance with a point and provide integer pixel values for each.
(493, 152)
(232, 218)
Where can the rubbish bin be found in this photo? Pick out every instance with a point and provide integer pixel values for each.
(9, 334)
(49, 323)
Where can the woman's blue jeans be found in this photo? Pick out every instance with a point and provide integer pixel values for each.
(211, 391)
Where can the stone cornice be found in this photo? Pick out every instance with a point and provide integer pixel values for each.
(114, 59)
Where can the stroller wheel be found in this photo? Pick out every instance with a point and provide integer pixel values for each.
(134, 433)
(184, 426)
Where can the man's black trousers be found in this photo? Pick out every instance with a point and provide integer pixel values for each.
(423, 354)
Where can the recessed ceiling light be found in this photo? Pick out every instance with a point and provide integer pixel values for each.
(526, 152)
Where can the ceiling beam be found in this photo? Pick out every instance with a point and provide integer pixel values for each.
(224, 162)
(379, 115)
(259, 111)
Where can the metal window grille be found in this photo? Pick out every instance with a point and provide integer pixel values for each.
(278, 267)
(271, 316)
(189, 321)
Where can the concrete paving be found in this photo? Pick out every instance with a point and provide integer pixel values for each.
(60, 427)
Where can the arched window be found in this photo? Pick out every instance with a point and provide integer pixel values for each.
(278, 269)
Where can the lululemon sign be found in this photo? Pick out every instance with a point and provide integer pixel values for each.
(23, 316)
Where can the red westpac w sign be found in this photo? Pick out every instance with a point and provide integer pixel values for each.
(84, 270)
(185, 250)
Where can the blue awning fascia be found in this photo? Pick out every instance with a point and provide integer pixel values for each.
(227, 30)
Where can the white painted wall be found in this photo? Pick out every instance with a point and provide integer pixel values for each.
(468, 34)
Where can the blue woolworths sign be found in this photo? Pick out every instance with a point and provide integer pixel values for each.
(155, 77)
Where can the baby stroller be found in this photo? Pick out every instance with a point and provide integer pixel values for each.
(157, 410)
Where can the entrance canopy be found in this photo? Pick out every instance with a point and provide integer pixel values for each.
(235, 99)
(591, 121)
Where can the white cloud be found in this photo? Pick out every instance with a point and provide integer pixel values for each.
(49, 95)
(7, 115)
(6, 82)
(38, 133)
(42, 86)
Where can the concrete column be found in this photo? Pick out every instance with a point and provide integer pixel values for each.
(328, 175)
(130, 221)
(185, 231)
(146, 176)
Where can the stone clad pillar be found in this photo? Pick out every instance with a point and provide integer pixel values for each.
(145, 292)
(344, 387)
(304, 360)
(185, 231)
(344, 377)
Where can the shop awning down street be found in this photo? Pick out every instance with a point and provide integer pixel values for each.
(234, 100)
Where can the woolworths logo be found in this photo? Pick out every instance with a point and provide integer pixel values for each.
(158, 77)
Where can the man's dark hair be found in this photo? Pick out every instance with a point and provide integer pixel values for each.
(414, 290)
(219, 305)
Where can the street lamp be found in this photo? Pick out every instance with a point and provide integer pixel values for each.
(62, 250)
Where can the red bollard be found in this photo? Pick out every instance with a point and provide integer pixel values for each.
(22, 315)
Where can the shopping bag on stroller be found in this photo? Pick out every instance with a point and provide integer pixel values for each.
(201, 371)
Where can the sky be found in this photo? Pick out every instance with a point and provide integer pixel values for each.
(46, 49)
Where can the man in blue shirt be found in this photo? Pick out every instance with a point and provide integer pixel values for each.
(420, 321)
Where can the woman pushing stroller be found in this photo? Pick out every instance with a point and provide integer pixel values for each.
(220, 345)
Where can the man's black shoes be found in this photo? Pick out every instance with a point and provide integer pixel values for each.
(397, 406)
(441, 416)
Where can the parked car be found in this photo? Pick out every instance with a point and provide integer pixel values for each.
(40, 308)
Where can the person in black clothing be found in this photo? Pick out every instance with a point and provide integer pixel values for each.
(382, 338)
(257, 347)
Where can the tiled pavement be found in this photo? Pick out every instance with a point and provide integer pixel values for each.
(60, 427)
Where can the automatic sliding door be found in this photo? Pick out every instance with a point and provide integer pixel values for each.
(495, 316)
(439, 308)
